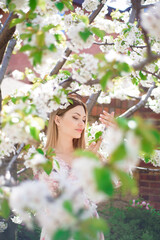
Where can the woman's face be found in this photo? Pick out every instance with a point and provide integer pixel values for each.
(72, 123)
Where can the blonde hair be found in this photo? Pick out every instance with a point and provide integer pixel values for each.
(52, 132)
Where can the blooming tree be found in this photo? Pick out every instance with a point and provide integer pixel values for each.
(53, 35)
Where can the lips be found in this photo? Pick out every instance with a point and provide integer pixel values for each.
(79, 130)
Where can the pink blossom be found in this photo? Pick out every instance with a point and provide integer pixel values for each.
(133, 204)
(143, 203)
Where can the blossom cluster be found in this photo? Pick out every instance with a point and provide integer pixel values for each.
(84, 68)
(150, 20)
(141, 204)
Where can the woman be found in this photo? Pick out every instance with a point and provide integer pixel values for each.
(66, 133)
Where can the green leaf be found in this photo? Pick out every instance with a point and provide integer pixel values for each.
(40, 39)
(100, 56)
(99, 33)
(15, 21)
(25, 35)
(146, 146)
(66, 72)
(68, 4)
(34, 133)
(42, 4)
(103, 180)
(47, 167)
(14, 99)
(56, 99)
(85, 34)
(52, 47)
(27, 47)
(84, 19)
(48, 27)
(5, 210)
(11, 7)
(142, 76)
(87, 154)
(122, 123)
(98, 135)
(8, 1)
(33, 4)
(128, 183)
(68, 206)
(135, 80)
(123, 67)
(91, 226)
(119, 153)
(39, 150)
(37, 57)
(59, 6)
(58, 37)
(26, 147)
(105, 79)
(62, 234)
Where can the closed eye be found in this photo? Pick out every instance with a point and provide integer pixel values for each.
(77, 119)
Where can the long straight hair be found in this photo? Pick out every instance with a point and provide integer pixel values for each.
(52, 132)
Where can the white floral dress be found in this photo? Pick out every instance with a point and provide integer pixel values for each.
(53, 184)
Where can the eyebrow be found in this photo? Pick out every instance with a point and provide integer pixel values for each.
(79, 114)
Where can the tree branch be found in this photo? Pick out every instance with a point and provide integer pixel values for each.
(67, 52)
(6, 34)
(147, 5)
(148, 60)
(8, 176)
(136, 5)
(6, 58)
(92, 100)
(140, 104)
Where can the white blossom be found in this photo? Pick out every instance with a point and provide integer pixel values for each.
(18, 75)
(35, 160)
(75, 42)
(111, 135)
(150, 20)
(84, 68)
(155, 158)
(31, 195)
(90, 5)
(21, 5)
(84, 167)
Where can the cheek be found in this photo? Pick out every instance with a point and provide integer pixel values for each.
(69, 124)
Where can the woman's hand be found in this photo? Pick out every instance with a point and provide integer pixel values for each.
(108, 119)
(94, 146)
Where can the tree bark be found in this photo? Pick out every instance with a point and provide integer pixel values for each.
(6, 34)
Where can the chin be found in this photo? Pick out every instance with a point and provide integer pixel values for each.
(77, 136)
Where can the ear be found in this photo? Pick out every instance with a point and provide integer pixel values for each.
(57, 120)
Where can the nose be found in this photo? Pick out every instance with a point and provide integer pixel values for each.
(81, 124)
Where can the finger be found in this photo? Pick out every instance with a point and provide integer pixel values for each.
(108, 122)
(91, 146)
(108, 116)
(95, 149)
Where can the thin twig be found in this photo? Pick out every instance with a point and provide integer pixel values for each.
(15, 157)
(22, 170)
(147, 169)
(153, 74)
(111, 44)
(140, 104)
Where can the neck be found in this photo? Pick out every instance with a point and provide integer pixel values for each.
(64, 145)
